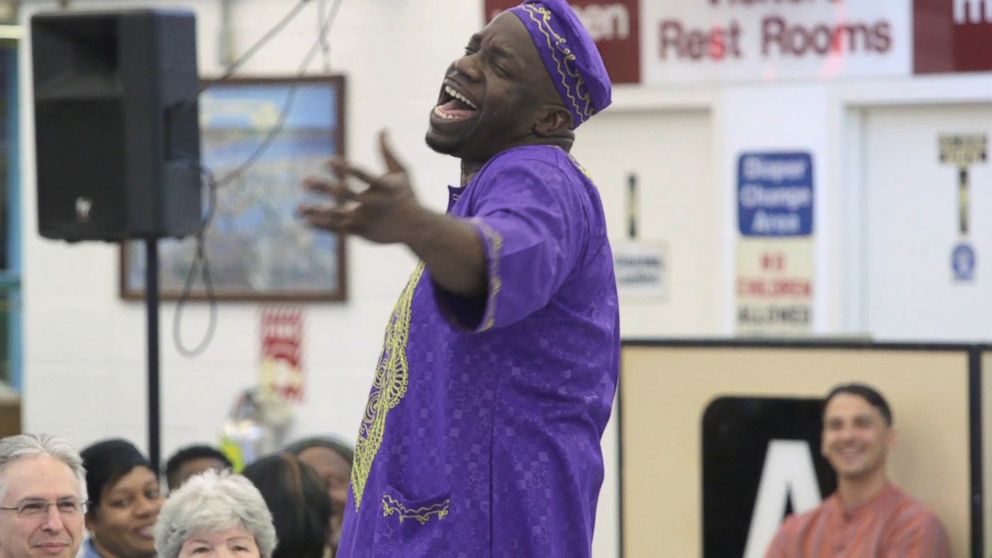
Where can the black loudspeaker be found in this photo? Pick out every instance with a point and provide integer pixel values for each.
(116, 124)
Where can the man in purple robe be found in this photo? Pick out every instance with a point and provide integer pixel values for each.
(481, 436)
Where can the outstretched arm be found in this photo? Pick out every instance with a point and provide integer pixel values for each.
(387, 211)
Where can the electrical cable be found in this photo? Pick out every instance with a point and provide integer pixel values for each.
(325, 47)
(200, 259)
(257, 45)
(287, 106)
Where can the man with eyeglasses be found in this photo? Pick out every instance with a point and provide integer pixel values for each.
(42, 497)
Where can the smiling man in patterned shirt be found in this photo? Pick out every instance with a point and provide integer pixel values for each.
(868, 516)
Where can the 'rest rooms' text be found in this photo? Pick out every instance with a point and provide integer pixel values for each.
(778, 34)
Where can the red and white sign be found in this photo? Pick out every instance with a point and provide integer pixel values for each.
(768, 40)
(663, 42)
(282, 353)
(775, 286)
(614, 25)
(952, 36)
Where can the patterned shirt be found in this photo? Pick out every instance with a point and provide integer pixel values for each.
(481, 436)
(891, 525)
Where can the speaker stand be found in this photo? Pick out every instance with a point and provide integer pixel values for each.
(151, 301)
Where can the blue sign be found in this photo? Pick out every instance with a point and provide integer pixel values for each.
(963, 262)
(775, 194)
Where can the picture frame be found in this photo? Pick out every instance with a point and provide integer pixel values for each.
(256, 247)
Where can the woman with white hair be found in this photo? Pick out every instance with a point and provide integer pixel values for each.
(215, 515)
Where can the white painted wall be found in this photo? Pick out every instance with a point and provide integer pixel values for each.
(670, 150)
(84, 362)
(912, 225)
(894, 209)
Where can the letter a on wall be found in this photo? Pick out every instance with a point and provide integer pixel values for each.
(758, 465)
(788, 474)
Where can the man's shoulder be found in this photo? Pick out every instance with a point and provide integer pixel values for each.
(911, 524)
(544, 167)
(531, 158)
(907, 509)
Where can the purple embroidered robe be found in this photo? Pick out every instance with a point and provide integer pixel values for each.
(481, 435)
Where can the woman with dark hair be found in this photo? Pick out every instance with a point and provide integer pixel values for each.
(300, 506)
(332, 459)
(124, 501)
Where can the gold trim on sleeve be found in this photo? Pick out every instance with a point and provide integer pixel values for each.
(494, 242)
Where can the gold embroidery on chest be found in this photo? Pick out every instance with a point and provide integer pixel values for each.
(388, 387)
(391, 505)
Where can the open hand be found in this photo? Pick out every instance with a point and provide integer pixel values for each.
(386, 211)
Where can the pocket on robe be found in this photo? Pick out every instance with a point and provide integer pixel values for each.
(412, 527)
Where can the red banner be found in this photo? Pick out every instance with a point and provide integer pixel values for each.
(952, 36)
(282, 353)
(614, 25)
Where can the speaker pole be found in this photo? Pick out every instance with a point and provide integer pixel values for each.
(151, 299)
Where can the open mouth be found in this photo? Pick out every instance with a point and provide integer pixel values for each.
(145, 533)
(454, 105)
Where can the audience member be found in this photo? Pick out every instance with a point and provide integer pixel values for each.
(124, 501)
(42, 497)
(193, 460)
(301, 508)
(867, 515)
(215, 514)
(332, 459)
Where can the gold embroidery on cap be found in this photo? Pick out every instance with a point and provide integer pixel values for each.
(562, 56)
(388, 387)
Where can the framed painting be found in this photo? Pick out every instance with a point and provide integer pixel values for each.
(260, 138)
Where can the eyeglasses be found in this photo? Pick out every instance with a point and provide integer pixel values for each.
(38, 508)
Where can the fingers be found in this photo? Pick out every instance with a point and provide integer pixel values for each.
(337, 190)
(388, 155)
(325, 218)
(344, 169)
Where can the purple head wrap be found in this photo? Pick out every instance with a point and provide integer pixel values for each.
(569, 54)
